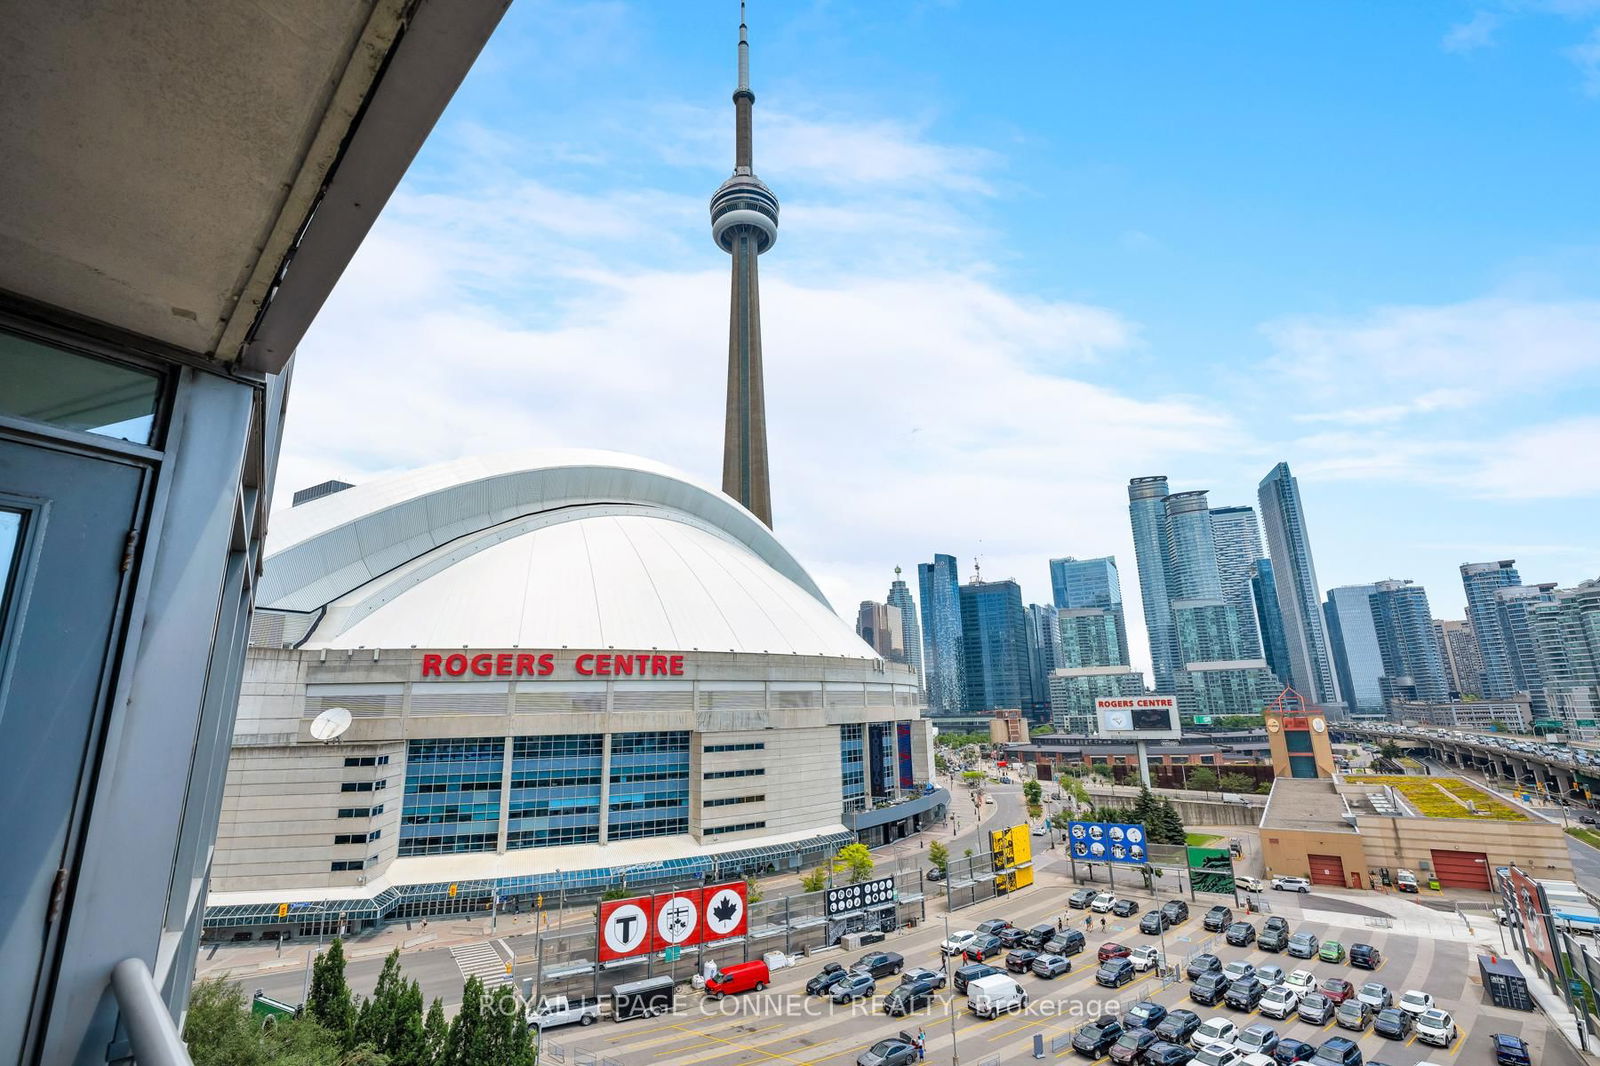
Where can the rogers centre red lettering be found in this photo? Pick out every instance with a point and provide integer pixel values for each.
(543, 664)
(1163, 703)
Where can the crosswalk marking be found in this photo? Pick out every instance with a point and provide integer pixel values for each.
(481, 961)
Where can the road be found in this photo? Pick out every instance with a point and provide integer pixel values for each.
(785, 1026)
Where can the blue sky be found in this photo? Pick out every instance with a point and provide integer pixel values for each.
(1028, 251)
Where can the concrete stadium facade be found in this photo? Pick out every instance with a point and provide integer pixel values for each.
(564, 671)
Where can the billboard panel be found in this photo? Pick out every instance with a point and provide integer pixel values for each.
(1138, 717)
(677, 920)
(625, 927)
(726, 911)
(1528, 899)
(1108, 842)
(843, 899)
(1211, 870)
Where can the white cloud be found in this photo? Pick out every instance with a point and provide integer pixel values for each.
(1543, 462)
(1587, 56)
(1477, 32)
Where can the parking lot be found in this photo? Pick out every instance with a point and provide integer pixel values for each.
(784, 1025)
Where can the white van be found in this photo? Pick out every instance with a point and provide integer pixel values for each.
(1405, 880)
(994, 995)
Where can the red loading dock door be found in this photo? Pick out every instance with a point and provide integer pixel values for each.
(1461, 869)
(1327, 870)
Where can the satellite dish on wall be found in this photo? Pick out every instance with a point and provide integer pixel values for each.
(330, 724)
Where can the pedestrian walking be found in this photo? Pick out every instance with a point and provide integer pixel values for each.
(922, 1044)
(1059, 923)
(1102, 925)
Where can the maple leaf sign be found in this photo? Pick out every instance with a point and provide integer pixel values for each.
(725, 909)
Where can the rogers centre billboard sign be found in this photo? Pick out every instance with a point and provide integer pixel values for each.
(548, 664)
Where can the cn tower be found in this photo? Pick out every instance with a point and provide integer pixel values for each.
(744, 223)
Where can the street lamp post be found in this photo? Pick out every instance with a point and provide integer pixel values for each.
(955, 1050)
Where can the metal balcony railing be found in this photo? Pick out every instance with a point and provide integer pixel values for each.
(152, 1035)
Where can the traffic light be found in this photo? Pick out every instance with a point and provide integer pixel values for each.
(452, 890)
(283, 910)
(538, 901)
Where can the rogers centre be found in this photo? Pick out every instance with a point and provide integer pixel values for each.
(565, 671)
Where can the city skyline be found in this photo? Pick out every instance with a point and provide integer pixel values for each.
(551, 239)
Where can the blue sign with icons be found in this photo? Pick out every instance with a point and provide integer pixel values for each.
(1108, 842)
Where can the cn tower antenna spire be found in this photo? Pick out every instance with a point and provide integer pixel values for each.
(744, 223)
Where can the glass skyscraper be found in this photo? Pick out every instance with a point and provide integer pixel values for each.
(1566, 639)
(1481, 581)
(1463, 663)
(1044, 654)
(1269, 619)
(1412, 666)
(1147, 512)
(1299, 601)
(900, 596)
(1088, 636)
(1511, 608)
(1191, 551)
(1238, 539)
(942, 642)
(995, 639)
(1076, 583)
(1073, 691)
(1353, 640)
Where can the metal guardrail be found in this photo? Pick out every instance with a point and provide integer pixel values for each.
(152, 1035)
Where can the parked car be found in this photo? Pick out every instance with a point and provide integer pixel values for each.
(909, 996)
(982, 947)
(1238, 968)
(1376, 995)
(1354, 1015)
(1337, 989)
(1303, 946)
(1215, 1031)
(1365, 957)
(1510, 1050)
(1217, 1055)
(1248, 884)
(1113, 950)
(1145, 1015)
(1178, 1026)
(1245, 993)
(1163, 1053)
(1153, 923)
(1103, 902)
(1270, 975)
(821, 984)
(1145, 957)
(1331, 951)
(1124, 908)
(853, 986)
(1302, 982)
(958, 941)
(997, 994)
(1291, 884)
(1175, 911)
(1257, 1039)
(969, 973)
(1272, 939)
(1081, 898)
(1279, 1002)
(1051, 966)
(898, 1050)
(1415, 1001)
(563, 1010)
(1217, 919)
(1021, 961)
(1130, 1046)
(1039, 935)
(1012, 937)
(1205, 962)
(1276, 922)
(1290, 1051)
(1209, 988)
(1095, 1038)
(880, 963)
(1114, 973)
(1394, 1023)
(1241, 934)
(739, 977)
(934, 874)
(1315, 1008)
(1436, 1027)
(1069, 942)
(992, 926)
(1337, 1051)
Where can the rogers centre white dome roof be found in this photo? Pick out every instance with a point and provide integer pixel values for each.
(548, 549)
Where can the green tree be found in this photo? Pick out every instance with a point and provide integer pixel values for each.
(1077, 791)
(1237, 782)
(391, 1021)
(509, 1041)
(329, 1002)
(1042, 730)
(364, 1055)
(855, 860)
(435, 1034)
(218, 1027)
(1143, 809)
(815, 881)
(471, 1040)
(1203, 780)
(1033, 792)
(615, 892)
(939, 857)
(972, 777)
(1264, 789)
(752, 890)
(940, 763)
(1168, 828)
(1389, 749)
